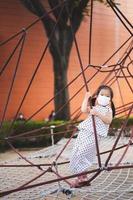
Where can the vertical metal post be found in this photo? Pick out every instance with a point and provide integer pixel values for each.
(52, 134)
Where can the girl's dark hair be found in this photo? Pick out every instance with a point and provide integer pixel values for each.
(111, 94)
(105, 87)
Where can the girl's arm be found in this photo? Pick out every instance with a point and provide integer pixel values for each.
(107, 119)
(85, 106)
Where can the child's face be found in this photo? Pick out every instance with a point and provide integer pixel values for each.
(104, 97)
(105, 92)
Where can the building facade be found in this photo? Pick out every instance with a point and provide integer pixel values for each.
(108, 34)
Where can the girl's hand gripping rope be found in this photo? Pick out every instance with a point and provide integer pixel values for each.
(87, 95)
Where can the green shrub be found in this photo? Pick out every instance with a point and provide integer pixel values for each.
(45, 140)
(117, 124)
(20, 127)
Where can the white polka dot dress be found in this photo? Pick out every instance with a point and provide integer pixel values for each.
(84, 150)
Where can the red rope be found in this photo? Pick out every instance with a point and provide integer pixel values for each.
(32, 24)
(65, 145)
(123, 127)
(24, 158)
(127, 147)
(4, 193)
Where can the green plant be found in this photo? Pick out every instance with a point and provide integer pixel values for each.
(42, 137)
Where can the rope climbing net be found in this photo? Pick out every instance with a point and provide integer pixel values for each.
(111, 178)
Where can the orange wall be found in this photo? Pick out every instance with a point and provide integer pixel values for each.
(108, 35)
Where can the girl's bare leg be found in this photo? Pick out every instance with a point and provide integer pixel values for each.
(79, 180)
(83, 178)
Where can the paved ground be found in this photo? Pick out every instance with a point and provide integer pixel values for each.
(109, 185)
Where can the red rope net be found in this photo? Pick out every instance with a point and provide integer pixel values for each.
(121, 69)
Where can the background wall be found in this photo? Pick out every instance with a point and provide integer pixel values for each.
(108, 35)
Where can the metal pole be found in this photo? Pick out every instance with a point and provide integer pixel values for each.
(52, 134)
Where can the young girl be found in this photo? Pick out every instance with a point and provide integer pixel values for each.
(84, 151)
